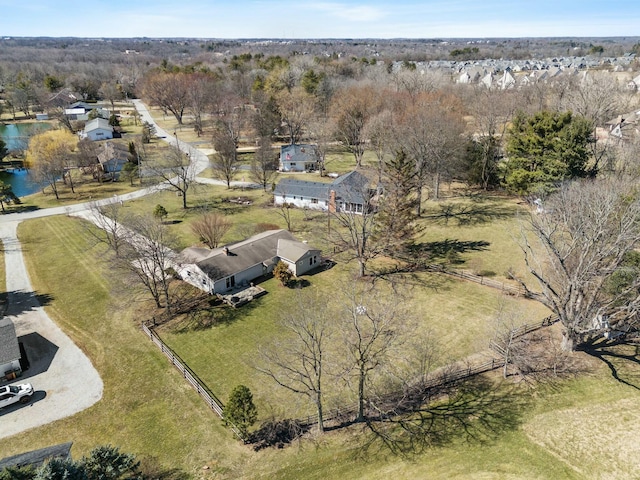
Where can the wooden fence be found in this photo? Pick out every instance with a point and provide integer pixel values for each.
(447, 376)
(214, 402)
(394, 401)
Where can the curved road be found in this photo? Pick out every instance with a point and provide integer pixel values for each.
(64, 379)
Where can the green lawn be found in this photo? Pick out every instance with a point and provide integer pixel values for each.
(582, 427)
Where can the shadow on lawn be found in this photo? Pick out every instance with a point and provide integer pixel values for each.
(208, 313)
(421, 257)
(470, 214)
(476, 411)
(620, 357)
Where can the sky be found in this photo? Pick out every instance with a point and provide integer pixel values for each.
(319, 19)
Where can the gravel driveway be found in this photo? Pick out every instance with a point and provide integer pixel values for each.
(64, 380)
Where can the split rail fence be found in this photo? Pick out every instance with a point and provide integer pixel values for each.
(450, 374)
(209, 397)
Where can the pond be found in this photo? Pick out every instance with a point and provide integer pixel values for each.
(16, 137)
(21, 182)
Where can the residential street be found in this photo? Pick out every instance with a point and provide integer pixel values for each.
(64, 379)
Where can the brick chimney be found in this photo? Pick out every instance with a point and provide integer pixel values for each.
(332, 201)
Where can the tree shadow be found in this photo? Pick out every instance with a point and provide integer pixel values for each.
(442, 249)
(20, 209)
(207, 314)
(19, 302)
(470, 214)
(476, 410)
(618, 356)
(421, 257)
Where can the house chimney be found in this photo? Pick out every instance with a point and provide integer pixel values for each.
(226, 251)
(332, 201)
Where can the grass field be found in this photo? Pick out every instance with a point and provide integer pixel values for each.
(584, 426)
(148, 409)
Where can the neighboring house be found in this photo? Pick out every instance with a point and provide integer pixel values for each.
(36, 458)
(625, 126)
(112, 158)
(298, 158)
(347, 193)
(222, 269)
(9, 350)
(78, 114)
(98, 129)
(634, 84)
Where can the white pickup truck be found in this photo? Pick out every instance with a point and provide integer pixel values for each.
(15, 393)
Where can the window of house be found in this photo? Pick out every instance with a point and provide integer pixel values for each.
(231, 281)
(314, 200)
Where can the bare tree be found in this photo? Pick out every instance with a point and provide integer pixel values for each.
(284, 210)
(169, 91)
(211, 228)
(148, 256)
(47, 156)
(356, 230)
(202, 91)
(380, 132)
(225, 158)
(176, 170)
(108, 218)
(296, 361)
(372, 326)
(264, 166)
(296, 109)
(351, 109)
(583, 237)
(231, 117)
(492, 110)
(431, 131)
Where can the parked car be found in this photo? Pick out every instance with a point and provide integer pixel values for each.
(15, 393)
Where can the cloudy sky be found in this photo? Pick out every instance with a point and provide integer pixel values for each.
(319, 19)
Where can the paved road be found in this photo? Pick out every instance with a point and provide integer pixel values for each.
(64, 378)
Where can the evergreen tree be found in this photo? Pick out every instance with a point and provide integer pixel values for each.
(397, 205)
(545, 149)
(240, 410)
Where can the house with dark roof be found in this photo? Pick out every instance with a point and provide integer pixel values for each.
(9, 350)
(347, 193)
(111, 158)
(298, 158)
(222, 269)
(36, 458)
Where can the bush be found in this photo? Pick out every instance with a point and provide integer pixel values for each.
(282, 273)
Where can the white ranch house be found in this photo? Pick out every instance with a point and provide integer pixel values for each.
(347, 193)
(220, 270)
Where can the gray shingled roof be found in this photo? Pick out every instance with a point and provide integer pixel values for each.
(298, 153)
(9, 348)
(293, 187)
(36, 458)
(241, 255)
(97, 123)
(292, 250)
(349, 187)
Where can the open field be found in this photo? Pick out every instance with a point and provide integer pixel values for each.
(567, 429)
(149, 410)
